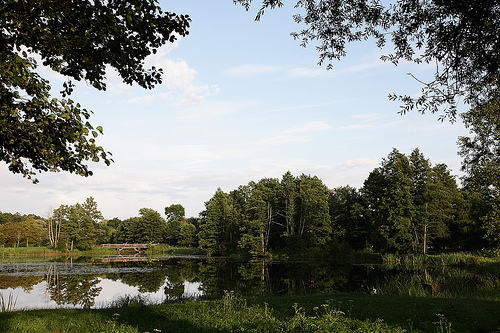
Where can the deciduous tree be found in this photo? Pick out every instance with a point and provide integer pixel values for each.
(481, 158)
(460, 37)
(79, 40)
(410, 202)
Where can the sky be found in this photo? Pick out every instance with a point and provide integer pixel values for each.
(240, 101)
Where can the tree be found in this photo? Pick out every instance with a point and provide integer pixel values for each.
(461, 37)
(312, 222)
(215, 224)
(76, 225)
(77, 40)
(187, 234)
(481, 159)
(127, 230)
(151, 227)
(481, 153)
(410, 203)
(175, 219)
(348, 215)
(175, 212)
(54, 224)
(289, 193)
(260, 215)
(31, 231)
(441, 200)
(12, 233)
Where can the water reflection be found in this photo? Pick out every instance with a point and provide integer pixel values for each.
(74, 289)
(87, 282)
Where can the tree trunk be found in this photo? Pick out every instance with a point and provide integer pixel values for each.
(425, 228)
(425, 238)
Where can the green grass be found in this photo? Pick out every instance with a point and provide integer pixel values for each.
(7, 303)
(27, 251)
(164, 249)
(314, 313)
(444, 259)
(8, 252)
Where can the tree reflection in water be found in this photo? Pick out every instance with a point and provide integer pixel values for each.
(75, 289)
(80, 284)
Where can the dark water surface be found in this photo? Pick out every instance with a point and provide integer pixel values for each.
(98, 282)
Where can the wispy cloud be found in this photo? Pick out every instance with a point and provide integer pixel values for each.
(290, 136)
(308, 72)
(371, 121)
(211, 109)
(371, 62)
(251, 70)
(283, 139)
(374, 62)
(179, 81)
(310, 127)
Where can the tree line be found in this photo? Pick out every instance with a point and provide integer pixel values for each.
(406, 205)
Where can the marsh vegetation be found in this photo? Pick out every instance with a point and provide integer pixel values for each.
(198, 293)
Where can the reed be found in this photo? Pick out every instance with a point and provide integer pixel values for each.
(7, 304)
(27, 251)
(445, 259)
(130, 300)
(232, 313)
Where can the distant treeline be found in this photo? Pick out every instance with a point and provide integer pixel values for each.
(406, 205)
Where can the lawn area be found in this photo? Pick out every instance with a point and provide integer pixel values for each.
(315, 313)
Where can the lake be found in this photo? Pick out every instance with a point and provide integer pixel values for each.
(99, 282)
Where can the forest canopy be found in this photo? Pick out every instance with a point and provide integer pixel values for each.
(79, 40)
(461, 38)
(406, 205)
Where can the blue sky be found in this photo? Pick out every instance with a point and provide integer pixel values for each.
(240, 101)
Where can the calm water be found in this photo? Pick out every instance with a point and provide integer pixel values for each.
(99, 282)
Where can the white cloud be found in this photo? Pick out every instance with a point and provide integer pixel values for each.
(289, 137)
(283, 139)
(310, 127)
(308, 72)
(251, 70)
(211, 109)
(168, 96)
(371, 121)
(189, 155)
(179, 81)
(305, 72)
(374, 125)
(306, 106)
(369, 117)
(375, 62)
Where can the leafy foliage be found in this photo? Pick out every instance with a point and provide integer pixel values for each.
(148, 228)
(77, 225)
(410, 202)
(270, 214)
(79, 40)
(461, 37)
(481, 158)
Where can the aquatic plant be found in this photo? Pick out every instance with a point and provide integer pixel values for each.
(7, 304)
(130, 300)
(391, 260)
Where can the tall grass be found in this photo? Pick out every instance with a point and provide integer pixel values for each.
(445, 259)
(7, 304)
(232, 313)
(27, 251)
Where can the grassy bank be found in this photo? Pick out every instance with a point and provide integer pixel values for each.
(28, 251)
(43, 251)
(444, 259)
(316, 313)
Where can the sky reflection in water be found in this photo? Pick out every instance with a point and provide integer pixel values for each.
(98, 284)
(39, 298)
